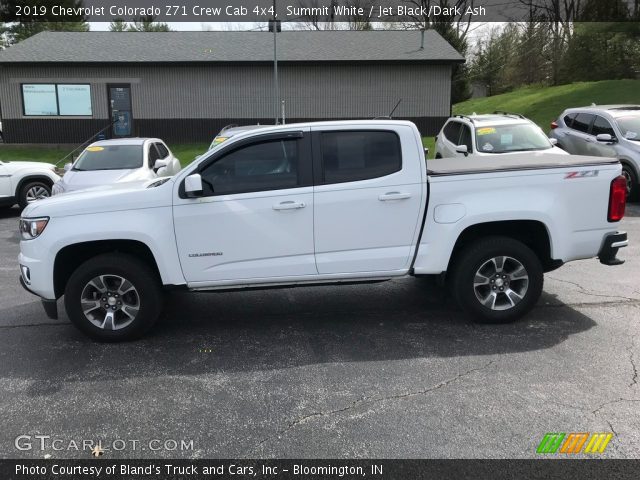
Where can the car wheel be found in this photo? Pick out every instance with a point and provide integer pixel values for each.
(497, 280)
(113, 297)
(632, 182)
(32, 191)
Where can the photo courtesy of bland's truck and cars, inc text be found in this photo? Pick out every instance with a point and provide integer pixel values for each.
(319, 239)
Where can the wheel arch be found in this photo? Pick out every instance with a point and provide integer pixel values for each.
(69, 258)
(533, 233)
(33, 177)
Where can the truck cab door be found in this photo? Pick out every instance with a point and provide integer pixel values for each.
(253, 222)
(368, 199)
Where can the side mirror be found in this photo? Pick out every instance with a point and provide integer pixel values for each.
(193, 185)
(159, 164)
(462, 149)
(67, 166)
(553, 141)
(605, 137)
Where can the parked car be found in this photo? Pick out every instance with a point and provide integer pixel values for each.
(605, 131)
(25, 182)
(361, 204)
(120, 160)
(229, 131)
(490, 134)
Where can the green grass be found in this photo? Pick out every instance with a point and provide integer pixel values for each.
(545, 104)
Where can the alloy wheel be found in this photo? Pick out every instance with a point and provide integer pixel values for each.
(110, 302)
(501, 283)
(37, 192)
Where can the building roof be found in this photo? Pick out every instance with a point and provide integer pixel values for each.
(181, 47)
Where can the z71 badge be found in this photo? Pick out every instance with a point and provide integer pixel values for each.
(582, 174)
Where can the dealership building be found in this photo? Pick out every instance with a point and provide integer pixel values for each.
(64, 87)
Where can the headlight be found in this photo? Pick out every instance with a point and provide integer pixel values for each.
(57, 188)
(31, 228)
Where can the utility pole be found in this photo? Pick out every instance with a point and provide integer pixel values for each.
(274, 26)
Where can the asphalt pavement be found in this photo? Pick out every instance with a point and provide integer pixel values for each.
(390, 370)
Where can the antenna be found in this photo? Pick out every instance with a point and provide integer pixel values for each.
(394, 108)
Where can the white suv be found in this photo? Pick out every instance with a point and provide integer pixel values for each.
(490, 134)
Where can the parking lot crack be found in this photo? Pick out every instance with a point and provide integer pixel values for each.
(612, 402)
(591, 293)
(634, 367)
(370, 401)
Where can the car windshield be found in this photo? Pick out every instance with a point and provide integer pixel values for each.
(511, 138)
(109, 157)
(629, 127)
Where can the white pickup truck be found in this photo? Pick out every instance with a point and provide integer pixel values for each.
(317, 203)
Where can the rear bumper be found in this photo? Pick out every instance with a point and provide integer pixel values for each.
(612, 243)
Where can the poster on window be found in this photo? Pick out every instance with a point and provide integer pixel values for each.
(39, 99)
(74, 99)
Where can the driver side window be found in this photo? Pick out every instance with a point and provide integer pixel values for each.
(153, 155)
(268, 165)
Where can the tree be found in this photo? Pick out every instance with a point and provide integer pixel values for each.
(142, 24)
(118, 25)
(13, 31)
(146, 24)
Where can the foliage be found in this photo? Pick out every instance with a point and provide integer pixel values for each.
(543, 104)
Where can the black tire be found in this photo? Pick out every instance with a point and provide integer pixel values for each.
(632, 182)
(29, 185)
(476, 258)
(111, 266)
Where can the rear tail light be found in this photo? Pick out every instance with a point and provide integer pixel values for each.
(617, 199)
(554, 125)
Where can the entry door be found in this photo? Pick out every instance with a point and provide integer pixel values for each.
(120, 111)
(367, 203)
(255, 218)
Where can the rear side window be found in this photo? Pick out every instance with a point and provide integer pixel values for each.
(582, 121)
(452, 132)
(601, 125)
(352, 156)
(568, 120)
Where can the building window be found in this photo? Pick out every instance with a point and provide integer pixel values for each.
(41, 99)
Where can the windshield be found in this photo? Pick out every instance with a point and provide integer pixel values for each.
(511, 138)
(110, 157)
(630, 127)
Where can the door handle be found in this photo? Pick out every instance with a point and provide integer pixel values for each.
(289, 205)
(394, 196)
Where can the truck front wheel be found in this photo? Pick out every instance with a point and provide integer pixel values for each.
(497, 280)
(113, 297)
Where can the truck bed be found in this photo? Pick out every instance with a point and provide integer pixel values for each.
(511, 162)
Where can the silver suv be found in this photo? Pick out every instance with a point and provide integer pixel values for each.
(603, 131)
(490, 134)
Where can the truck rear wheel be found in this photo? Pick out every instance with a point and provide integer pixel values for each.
(113, 297)
(497, 280)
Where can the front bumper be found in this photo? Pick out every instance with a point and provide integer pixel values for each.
(50, 306)
(612, 243)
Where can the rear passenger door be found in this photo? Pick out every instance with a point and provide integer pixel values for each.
(367, 199)
(579, 133)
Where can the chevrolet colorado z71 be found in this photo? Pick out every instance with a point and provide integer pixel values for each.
(318, 203)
